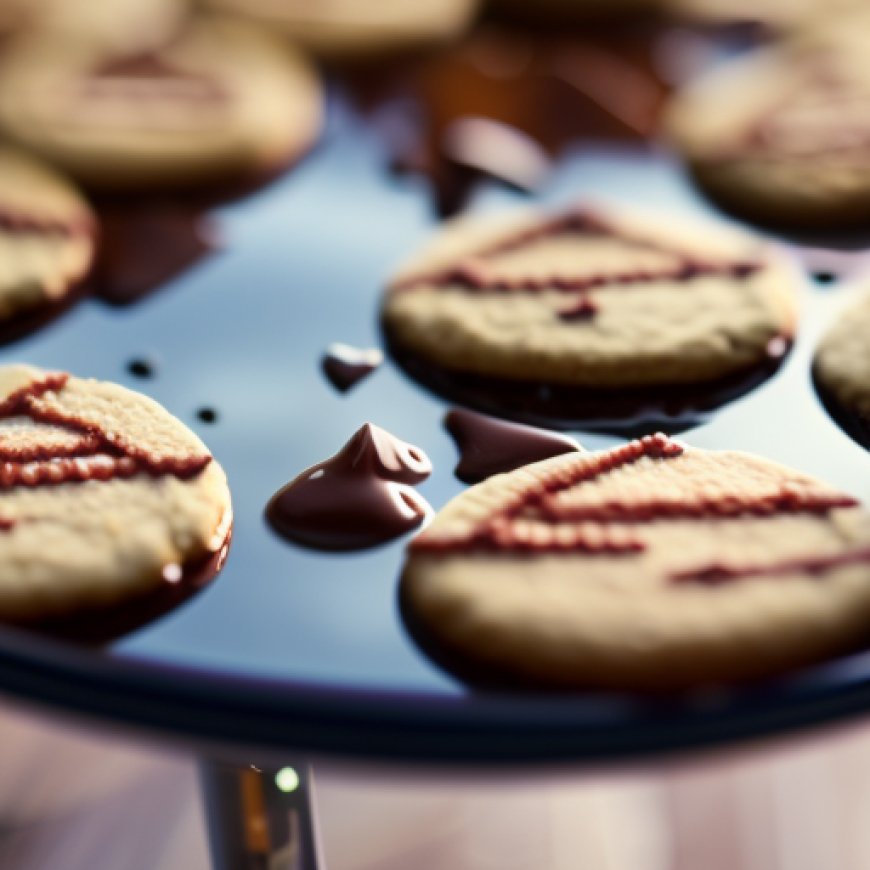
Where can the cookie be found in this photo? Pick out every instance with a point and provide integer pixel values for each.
(221, 102)
(353, 29)
(651, 566)
(842, 369)
(591, 298)
(106, 501)
(782, 134)
(115, 25)
(47, 237)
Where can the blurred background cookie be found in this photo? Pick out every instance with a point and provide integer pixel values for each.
(649, 566)
(108, 504)
(47, 237)
(347, 29)
(782, 134)
(220, 102)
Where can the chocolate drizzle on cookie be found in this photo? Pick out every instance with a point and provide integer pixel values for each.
(537, 520)
(357, 499)
(477, 273)
(19, 222)
(150, 75)
(89, 453)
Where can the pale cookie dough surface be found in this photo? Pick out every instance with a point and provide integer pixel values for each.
(842, 363)
(572, 619)
(47, 235)
(221, 101)
(356, 28)
(155, 502)
(657, 329)
(116, 25)
(783, 133)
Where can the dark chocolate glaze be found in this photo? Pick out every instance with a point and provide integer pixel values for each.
(671, 408)
(490, 446)
(346, 366)
(356, 499)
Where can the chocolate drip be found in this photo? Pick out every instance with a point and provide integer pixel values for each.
(357, 499)
(490, 446)
(346, 366)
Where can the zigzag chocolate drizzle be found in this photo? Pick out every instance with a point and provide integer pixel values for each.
(95, 455)
(501, 533)
(473, 273)
(534, 521)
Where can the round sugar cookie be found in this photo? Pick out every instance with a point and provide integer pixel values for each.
(782, 135)
(106, 501)
(592, 298)
(648, 566)
(221, 102)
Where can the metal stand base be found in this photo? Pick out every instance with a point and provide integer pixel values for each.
(261, 818)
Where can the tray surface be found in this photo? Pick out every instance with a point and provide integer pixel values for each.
(291, 648)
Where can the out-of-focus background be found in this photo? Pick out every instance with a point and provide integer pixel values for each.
(77, 799)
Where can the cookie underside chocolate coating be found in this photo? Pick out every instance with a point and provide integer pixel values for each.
(105, 498)
(647, 567)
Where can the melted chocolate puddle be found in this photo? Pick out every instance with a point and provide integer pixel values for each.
(346, 366)
(627, 412)
(489, 446)
(357, 499)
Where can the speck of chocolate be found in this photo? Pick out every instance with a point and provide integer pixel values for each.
(142, 368)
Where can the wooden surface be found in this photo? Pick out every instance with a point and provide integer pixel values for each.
(73, 799)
